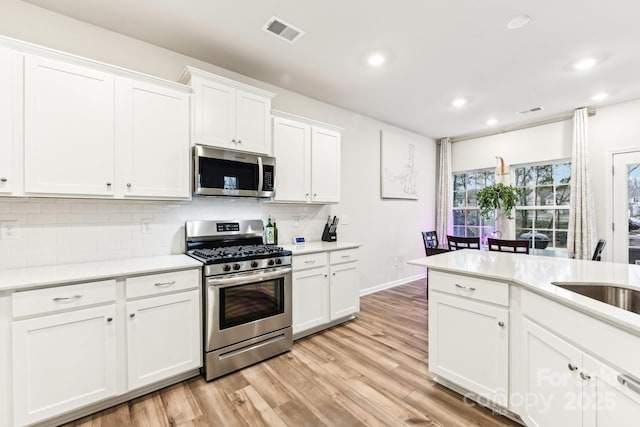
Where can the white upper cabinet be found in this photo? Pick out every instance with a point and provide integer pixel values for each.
(307, 160)
(152, 125)
(10, 121)
(69, 128)
(229, 114)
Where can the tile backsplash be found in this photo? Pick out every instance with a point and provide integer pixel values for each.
(61, 231)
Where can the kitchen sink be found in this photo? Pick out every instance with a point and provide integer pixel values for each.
(615, 295)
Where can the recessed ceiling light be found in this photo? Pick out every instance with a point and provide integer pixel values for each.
(376, 59)
(599, 96)
(460, 102)
(492, 122)
(518, 22)
(585, 64)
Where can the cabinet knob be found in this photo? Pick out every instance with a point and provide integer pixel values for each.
(584, 376)
(233, 140)
(3, 179)
(315, 194)
(572, 367)
(333, 274)
(109, 319)
(501, 324)
(132, 315)
(307, 194)
(325, 275)
(239, 141)
(128, 185)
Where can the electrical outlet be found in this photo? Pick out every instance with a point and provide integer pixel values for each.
(9, 230)
(146, 226)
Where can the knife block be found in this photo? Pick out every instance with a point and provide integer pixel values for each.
(329, 236)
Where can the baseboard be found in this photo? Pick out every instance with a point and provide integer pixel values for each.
(393, 284)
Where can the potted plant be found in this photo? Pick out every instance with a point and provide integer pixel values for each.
(497, 196)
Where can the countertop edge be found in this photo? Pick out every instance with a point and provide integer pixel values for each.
(46, 276)
(315, 247)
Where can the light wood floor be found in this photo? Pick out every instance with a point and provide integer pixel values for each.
(368, 372)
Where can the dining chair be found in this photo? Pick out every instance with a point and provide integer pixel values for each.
(457, 242)
(514, 246)
(597, 254)
(430, 239)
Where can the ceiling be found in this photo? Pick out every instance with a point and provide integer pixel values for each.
(437, 51)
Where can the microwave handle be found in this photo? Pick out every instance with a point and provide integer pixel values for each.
(260, 174)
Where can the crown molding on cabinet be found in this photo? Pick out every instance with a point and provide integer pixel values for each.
(285, 115)
(190, 72)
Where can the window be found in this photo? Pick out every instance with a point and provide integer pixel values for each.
(467, 221)
(543, 211)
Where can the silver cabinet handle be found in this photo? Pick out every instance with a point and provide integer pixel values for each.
(501, 324)
(466, 288)
(165, 284)
(3, 179)
(630, 382)
(345, 256)
(67, 299)
(584, 376)
(132, 315)
(572, 367)
(311, 261)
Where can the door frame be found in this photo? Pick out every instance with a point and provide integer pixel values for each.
(609, 183)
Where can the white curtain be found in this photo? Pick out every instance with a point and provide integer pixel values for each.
(582, 232)
(444, 199)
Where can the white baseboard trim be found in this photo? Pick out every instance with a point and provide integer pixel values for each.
(393, 284)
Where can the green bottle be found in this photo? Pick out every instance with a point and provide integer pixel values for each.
(269, 233)
(275, 232)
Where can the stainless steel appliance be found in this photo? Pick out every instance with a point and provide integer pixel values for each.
(220, 172)
(247, 294)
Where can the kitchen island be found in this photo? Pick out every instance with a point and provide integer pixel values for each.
(503, 335)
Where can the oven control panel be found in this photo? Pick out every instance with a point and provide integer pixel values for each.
(248, 265)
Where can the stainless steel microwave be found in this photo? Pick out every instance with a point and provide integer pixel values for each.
(219, 172)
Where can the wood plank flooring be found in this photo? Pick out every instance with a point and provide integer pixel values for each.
(372, 371)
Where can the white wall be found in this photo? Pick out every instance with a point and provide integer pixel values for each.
(55, 231)
(613, 128)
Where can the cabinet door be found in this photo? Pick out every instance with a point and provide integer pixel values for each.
(69, 129)
(292, 149)
(551, 381)
(163, 336)
(215, 114)
(611, 398)
(325, 166)
(345, 290)
(10, 119)
(310, 300)
(63, 362)
(253, 123)
(469, 345)
(152, 140)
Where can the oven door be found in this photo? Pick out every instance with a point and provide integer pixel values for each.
(244, 306)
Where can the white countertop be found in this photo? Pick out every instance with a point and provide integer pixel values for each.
(536, 273)
(312, 247)
(35, 277)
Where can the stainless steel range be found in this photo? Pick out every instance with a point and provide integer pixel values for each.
(247, 293)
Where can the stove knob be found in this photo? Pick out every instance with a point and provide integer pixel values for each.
(271, 262)
(236, 266)
(227, 267)
(254, 264)
(279, 261)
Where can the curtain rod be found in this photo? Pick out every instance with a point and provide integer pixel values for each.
(591, 112)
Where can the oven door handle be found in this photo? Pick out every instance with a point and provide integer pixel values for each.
(248, 278)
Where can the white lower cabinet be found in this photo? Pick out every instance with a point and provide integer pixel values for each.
(62, 362)
(566, 387)
(326, 289)
(469, 344)
(163, 335)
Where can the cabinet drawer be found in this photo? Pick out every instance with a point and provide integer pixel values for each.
(41, 301)
(156, 284)
(345, 255)
(470, 287)
(302, 262)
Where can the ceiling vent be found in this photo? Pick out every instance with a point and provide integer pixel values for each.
(278, 27)
(531, 110)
